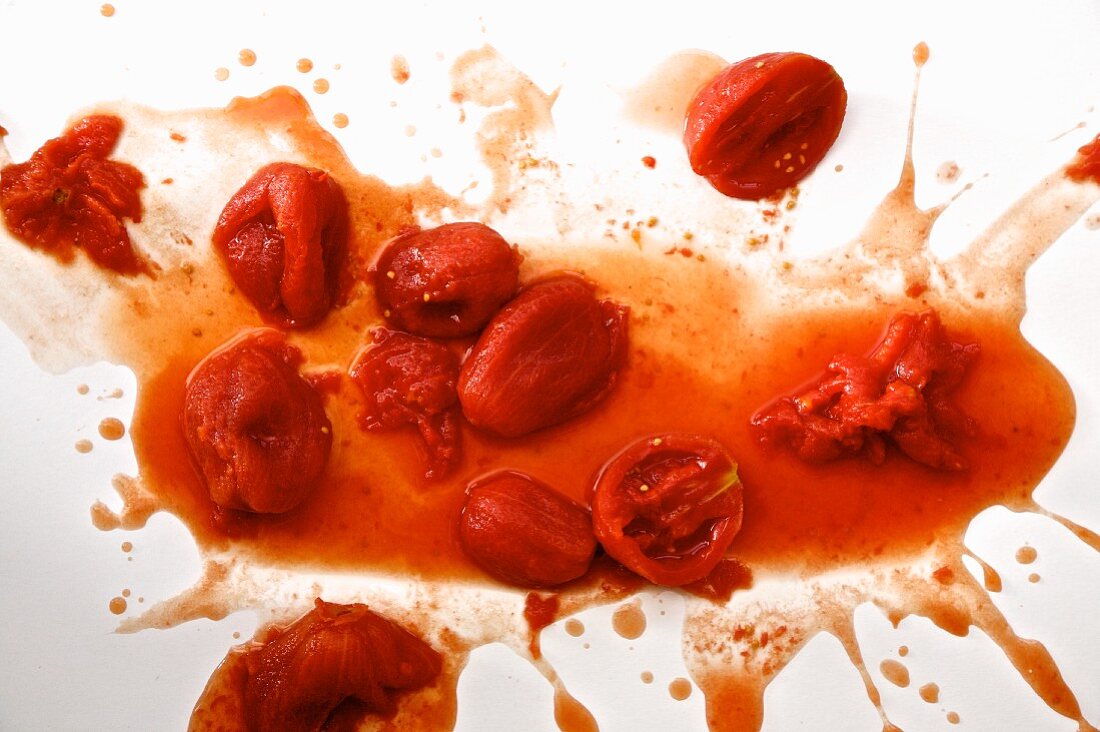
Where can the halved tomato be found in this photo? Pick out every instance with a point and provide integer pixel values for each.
(764, 123)
(668, 506)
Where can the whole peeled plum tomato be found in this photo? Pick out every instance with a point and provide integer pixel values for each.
(668, 506)
(525, 533)
(448, 281)
(764, 123)
(332, 657)
(552, 353)
(283, 236)
(409, 380)
(256, 429)
(70, 194)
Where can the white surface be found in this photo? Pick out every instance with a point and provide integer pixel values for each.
(1001, 83)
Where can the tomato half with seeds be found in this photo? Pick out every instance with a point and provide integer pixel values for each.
(668, 506)
(763, 124)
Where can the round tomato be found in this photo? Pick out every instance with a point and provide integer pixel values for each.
(764, 123)
(256, 429)
(668, 506)
(446, 282)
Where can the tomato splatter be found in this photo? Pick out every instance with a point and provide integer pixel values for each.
(70, 195)
(728, 576)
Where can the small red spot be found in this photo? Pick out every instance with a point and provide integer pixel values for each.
(916, 289)
(1086, 164)
(539, 611)
(649, 161)
(177, 137)
(944, 575)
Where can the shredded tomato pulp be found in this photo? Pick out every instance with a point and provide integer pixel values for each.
(70, 195)
(899, 395)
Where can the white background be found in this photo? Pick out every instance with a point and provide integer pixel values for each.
(1001, 84)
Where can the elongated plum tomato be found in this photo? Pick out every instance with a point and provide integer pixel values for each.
(71, 195)
(525, 533)
(448, 281)
(764, 123)
(256, 429)
(668, 506)
(283, 236)
(409, 380)
(333, 657)
(552, 353)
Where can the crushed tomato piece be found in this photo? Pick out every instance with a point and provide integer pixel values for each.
(69, 195)
(406, 379)
(899, 394)
(330, 658)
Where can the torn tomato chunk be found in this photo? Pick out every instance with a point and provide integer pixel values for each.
(69, 195)
(409, 380)
(900, 394)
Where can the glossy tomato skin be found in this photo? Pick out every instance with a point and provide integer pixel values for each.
(551, 354)
(409, 380)
(333, 654)
(668, 506)
(71, 195)
(448, 281)
(900, 394)
(525, 533)
(255, 428)
(283, 237)
(763, 124)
